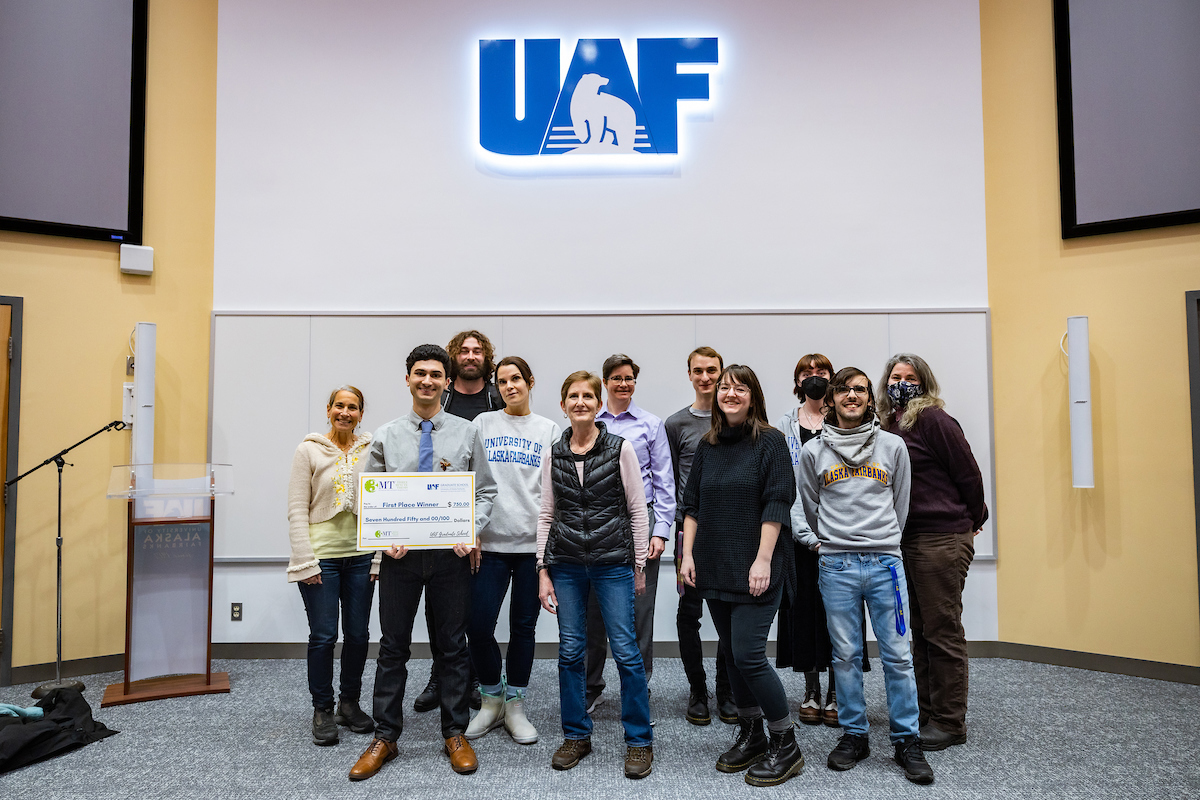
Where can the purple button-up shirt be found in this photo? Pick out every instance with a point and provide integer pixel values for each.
(648, 436)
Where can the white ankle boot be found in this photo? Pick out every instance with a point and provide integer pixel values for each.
(490, 716)
(518, 725)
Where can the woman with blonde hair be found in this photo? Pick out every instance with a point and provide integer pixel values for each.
(946, 510)
(593, 536)
(327, 564)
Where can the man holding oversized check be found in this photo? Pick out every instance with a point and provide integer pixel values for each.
(425, 492)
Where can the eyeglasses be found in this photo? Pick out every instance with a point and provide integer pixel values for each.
(738, 389)
(622, 379)
(859, 391)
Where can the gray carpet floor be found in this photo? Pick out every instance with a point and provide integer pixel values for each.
(1035, 731)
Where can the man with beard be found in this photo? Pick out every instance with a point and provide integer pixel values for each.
(854, 486)
(470, 393)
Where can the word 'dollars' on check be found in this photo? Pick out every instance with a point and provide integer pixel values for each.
(416, 509)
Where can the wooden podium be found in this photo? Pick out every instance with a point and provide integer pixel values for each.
(168, 600)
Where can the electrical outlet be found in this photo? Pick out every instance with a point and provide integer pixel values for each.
(235, 612)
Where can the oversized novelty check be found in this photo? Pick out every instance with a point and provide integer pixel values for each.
(416, 509)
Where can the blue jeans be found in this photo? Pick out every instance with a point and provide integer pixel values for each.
(847, 580)
(344, 581)
(488, 587)
(612, 586)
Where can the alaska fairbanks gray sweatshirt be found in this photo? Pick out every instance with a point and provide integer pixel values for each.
(854, 486)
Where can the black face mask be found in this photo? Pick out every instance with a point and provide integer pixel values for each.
(814, 387)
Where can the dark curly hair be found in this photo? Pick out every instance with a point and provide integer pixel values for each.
(427, 352)
(489, 353)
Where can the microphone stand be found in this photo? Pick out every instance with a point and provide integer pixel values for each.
(58, 460)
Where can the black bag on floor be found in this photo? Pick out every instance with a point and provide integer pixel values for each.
(66, 724)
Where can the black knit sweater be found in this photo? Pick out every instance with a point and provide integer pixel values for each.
(733, 488)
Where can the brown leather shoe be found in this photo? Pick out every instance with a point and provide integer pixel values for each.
(638, 761)
(569, 753)
(830, 712)
(462, 756)
(373, 758)
(811, 712)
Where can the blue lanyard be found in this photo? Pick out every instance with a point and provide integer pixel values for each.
(899, 602)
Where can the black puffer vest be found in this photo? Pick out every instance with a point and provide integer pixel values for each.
(591, 522)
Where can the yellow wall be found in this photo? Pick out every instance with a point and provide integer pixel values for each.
(1110, 570)
(79, 311)
(1113, 569)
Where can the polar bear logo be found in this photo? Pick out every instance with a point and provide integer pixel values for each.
(604, 123)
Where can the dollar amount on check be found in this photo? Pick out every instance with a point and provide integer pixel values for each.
(416, 509)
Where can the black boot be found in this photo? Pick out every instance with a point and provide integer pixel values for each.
(726, 708)
(783, 760)
(349, 714)
(749, 747)
(324, 729)
(697, 709)
(431, 698)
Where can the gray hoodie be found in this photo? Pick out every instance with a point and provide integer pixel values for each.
(854, 487)
(790, 425)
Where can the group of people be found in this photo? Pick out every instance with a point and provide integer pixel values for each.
(855, 498)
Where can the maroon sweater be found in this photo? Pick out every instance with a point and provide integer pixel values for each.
(947, 488)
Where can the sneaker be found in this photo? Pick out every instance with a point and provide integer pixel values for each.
(851, 749)
(910, 756)
(570, 752)
(934, 738)
(829, 713)
(490, 717)
(727, 709)
(811, 712)
(516, 723)
(594, 701)
(697, 709)
(353, 717)
(324, 729)
(783, 760)
(638, 761)
(431, 697)
(749, 746)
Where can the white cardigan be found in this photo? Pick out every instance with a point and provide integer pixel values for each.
(323, 482)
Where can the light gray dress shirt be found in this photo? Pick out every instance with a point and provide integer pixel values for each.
(457, 447)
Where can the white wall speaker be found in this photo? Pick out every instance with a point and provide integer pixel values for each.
(137, 259)
(1079, 378)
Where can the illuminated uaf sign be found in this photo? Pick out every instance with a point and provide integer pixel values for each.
(598, 109)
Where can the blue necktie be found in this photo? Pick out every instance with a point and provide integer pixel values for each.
(425, 453)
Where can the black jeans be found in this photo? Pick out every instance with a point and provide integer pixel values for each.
(488, 588)
(446, 580)
(691, 652)
(744, 628)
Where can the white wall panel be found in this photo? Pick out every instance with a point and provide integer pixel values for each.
(260, 384)
(286, 366)
(843, 140)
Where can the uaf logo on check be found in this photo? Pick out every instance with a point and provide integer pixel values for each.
(598, 108)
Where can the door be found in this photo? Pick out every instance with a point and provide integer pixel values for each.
(5, 365)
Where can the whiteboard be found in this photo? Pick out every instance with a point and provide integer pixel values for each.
(271, 375)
